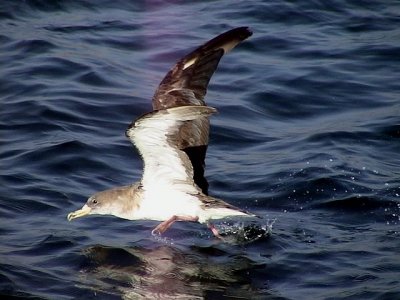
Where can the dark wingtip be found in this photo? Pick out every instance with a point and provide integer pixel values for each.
(240, 33)
(243, 32)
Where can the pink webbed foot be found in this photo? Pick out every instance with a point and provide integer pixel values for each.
(214, 231)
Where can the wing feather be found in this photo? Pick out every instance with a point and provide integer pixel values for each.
(154, 135)
(186, 84)
(192, 73)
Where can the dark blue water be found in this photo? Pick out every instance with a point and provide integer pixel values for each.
(308, 135)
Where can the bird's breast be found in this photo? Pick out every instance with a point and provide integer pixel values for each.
(163, 204)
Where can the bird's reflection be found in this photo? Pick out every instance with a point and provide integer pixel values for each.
(169, 272)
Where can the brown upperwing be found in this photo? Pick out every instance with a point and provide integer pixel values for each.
(186, 84)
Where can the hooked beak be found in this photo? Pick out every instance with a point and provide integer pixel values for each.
(85, 210)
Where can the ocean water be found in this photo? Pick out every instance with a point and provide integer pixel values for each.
(307, 136)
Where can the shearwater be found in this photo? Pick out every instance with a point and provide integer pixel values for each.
(172, 141)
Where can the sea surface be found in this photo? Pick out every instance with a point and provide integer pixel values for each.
(307, 136)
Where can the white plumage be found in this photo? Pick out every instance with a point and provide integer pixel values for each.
(165, 165)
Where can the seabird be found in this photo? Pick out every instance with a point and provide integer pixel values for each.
(172, 141)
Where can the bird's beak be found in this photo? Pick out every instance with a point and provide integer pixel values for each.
(85, 210)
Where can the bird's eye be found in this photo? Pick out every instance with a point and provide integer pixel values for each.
(94, 201)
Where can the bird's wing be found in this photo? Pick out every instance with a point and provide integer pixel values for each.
(186, 84)
(154, 135)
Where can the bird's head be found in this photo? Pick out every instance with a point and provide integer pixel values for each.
(95, 205)
(110, 202)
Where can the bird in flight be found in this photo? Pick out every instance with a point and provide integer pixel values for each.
(172, 141)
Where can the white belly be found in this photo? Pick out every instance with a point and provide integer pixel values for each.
(163, 204)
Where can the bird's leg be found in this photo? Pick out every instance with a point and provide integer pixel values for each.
(162, 227)
(214, 231)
